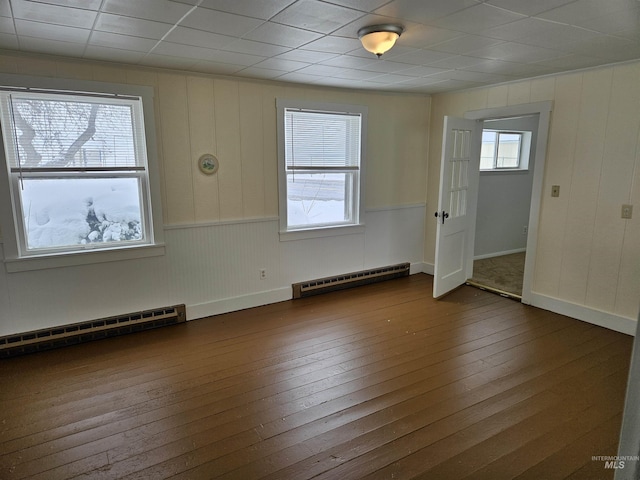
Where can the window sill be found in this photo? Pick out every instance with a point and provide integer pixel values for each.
(42, 262)
(504, 170)
(321, 232)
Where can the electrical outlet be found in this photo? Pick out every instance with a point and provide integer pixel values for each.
(525, 229)
(627, 211)
(263, 273)
(555, 190)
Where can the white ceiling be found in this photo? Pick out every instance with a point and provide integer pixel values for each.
(447, 44)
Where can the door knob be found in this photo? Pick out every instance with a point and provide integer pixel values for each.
(443, 215)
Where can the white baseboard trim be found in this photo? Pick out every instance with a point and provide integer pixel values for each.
(586, 314)
(499, 254)
(242, 302)
(421, 267)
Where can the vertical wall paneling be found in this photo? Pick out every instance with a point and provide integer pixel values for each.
(558, 171)
(202, 137)
(227, 121)
(176, 149)
(270, 146)
(251, 149)
(623, 125)
(519, 93)
(583, 194)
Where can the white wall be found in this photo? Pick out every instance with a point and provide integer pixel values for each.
(587, 256)
(504, 199)
(222, 229)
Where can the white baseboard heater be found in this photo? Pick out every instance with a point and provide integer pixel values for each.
(349, 280)
(72, 334)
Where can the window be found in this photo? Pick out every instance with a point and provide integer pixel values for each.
(500, 150)
(321, 166)
(77, 170)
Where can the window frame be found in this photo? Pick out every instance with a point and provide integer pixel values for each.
(521, 144)
(357, 210)
(16, 258)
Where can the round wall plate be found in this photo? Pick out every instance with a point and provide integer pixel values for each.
(208, 164)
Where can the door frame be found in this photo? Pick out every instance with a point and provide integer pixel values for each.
(543, 109)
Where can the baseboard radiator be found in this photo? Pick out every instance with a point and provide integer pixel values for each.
(349, 280)
(72, 334)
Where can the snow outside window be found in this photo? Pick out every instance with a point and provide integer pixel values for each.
(77, 170)
(321, 168)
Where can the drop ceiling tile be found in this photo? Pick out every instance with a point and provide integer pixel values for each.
(155, 10)
(422, 36)
(198, 38)
(349, 61)
(136, 27)
(603, 46)
(85, 4)
(463, 45)
(255, 48)
(478, 18)
(423, 71)
(519, 29)
(353, 74)
(255, 72)
(53, 14)
(217, 68)
(5, 9)
(170, 49)
(617, 22)
(333, 44)
(220, 22)
(297, 77)
(122, 42)
(316, 16)
(6, 25)
(282, 65)
(570, 62)
(264, 9)
(113, 54)
(362, 5)
(422, 11)
(283, 35)
(576, 12)
(385, 66)
(242, 59)
(307, 56)
(167, 61)
(421, 57)
(8, 41)
(528, 7)
(456, 61)
(516, 52)
(390, 78)
(51, 31)
(321, 70)
(558, 35)
(51, 47)
(350, 30)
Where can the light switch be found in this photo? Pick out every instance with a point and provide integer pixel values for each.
(627, 211)
(555, 190)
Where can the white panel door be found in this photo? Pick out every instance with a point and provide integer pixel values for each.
(457, 205)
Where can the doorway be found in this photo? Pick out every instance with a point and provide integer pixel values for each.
(504, 201)
(454, 265)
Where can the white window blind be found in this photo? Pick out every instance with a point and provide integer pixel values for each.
(319, 139)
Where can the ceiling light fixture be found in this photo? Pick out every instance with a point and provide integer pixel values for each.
(379, 39)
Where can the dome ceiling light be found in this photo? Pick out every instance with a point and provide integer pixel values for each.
(379, 39)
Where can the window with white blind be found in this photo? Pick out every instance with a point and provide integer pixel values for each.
(321, 151)
(77, 171)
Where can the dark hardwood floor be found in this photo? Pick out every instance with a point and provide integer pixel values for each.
(377, 382)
